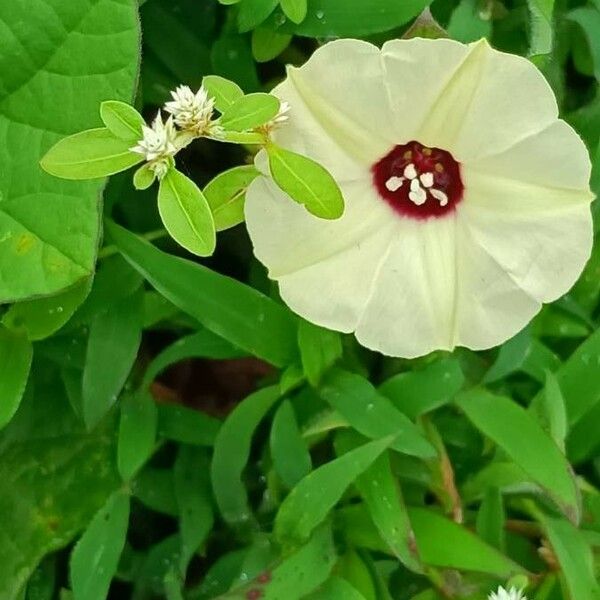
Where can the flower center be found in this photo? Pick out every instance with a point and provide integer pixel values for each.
(418, 181)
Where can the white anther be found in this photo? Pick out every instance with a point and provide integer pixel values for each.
(418, 197)
(410, 172)
(426, 179)
(394, 183)
(440, 196)
(414, 185)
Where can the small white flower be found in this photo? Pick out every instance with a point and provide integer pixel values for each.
(279, 119)
(511, 594)
(192, 112)
(467, 199)
(157, 145)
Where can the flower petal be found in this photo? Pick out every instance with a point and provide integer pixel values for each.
(493, 100)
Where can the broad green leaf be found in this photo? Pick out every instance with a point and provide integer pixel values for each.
(226, 194)
(352, 17)
(72, 55)
(589, 20)
(268, 44)
(91, 154)
(202, 344)
(306, 182)
(574, 556)
(232, 310)
(192, 491)
(491, 519)
(96, 555)
(310, 501)
(372, 414)
(541, 29)
(111, 351)
(137, 433)
(383, 498)
(319, 349)
(253, 12)
(42, 317)
(444, 543)
(418, 392)
(186, 425)
(295, 10)
(186, 214)
(291, 458)
(143, 178)
(336, 588)
(354, 570)
(232, 449)
(466, 23)
(156, 489)
(16, 354)
(249, 112)
(224, 92)
(515, 431)
(122, 120)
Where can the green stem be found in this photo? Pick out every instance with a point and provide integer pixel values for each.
(149, 237)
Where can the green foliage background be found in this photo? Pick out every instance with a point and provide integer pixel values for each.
(171, 430)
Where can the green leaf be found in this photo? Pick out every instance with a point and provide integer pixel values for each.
(589, 20)
(268, 44)
(232, 449)
(42, 317)
(91, 154)
(231, 57)
(371, 414)
(122, 120)
(112, 347)
(466, 24)
(352, 17)
(137, 433)
(444, 543)
(156, 489)
(295, 10)
(16, 354)
(417, 392)
(250, 111)
(383, 498)
(574, 556)
(96, 555)
(319, 349)
(143, 178)
(541, 30)
(306, 182)
(192, 491)
(42, 583)
(491, 519)
(336, 588)
(230, 309)
(511, 357)
(291, 457)
(549, 408)
(253, 12)
(310, 501)
(226, 194)
(224, 92)
(73, 55)
(186, 214)
(186, 425)
(515, 431)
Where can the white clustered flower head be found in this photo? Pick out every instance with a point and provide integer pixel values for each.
(192, 112)
(467, 200)
(280, 118)
(511, 594)
(157, 145)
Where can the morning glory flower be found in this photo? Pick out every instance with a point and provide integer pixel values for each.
(467, 198)
(511, 594)
(191, 112)
(158, 145)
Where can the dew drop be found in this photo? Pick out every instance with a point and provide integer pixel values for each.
(320, 14)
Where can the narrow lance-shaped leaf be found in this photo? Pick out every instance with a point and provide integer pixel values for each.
(224, 92)
(319, 349)
(16, 354)
(95, 557)
(232, 449)
(306, 182)
(186, 214)
(90, 155)
(491, 518)
(515, 431)
(541, 13)
(249, 112)
(311, 500)
(122, 120)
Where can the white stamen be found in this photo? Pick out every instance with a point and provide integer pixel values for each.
(439, 195)
(415, 185)
(426, 179)
(394, 183)
(410, 172)
(418, 197)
